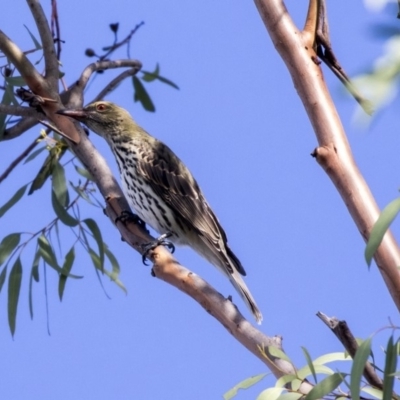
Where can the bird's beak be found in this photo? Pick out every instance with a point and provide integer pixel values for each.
(78, 114)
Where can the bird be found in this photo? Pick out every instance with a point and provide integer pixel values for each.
(162, 190)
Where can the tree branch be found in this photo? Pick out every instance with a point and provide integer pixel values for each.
(333, 153)
(38, 86)
(346, 337)
(49, 52)
(76, 92)
(19, 111)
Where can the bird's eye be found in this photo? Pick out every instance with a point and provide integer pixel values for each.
(101, 107)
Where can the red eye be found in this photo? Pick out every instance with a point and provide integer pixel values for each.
(101, 107)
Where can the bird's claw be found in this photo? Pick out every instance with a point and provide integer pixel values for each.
(161, 241)
(128, 216)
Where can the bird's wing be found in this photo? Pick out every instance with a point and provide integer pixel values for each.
(172, 181)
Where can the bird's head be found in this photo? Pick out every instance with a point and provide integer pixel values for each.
(102, 117)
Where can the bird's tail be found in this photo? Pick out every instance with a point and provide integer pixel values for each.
(245, 294)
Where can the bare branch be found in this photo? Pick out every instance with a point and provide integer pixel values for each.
(19, 111)
(168, 269)
(346, 337)
(50, 59)
(334, 153)
(115, 82)
(19, 128)
(76, 92)
(39, 86)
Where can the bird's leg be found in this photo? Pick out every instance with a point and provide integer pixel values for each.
(128, 216)
(161, 241)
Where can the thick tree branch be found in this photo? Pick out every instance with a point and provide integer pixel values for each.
(165, 266)
(19, 111)
(333, 153)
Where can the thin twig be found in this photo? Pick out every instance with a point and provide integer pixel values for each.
(55, 23)
(76, 92)
(114, 83)
(24, 154)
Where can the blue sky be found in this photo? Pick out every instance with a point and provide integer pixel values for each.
(239, 125)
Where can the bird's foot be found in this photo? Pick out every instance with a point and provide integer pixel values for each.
(161, 241)
(128, 216)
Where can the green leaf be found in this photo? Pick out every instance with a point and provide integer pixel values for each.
(6, 100)
(34, 154)
(81, 193)
(245, 384)
(115, 269)
(94, 229)
(325, 387)
(10, 203)
(142, 96)
(332, 357)
(275, 352)
(35, 41)
(3, 277)
(151, 76)
(47, 253)
(270, 394)
(68, 262)
(373, 392)
(61, 212)
(14, 286)
(390, 368)
(285, 379)
(319, 369)
(34, 276)
(386, 217)
(16, 81)
(357, 368)
(310, 363)
(60, 184)
(290, 396)
(7, 246)
(84, 172)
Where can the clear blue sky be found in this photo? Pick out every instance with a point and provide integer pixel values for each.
(238, 124)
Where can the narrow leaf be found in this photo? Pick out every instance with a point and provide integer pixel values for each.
(35, 41)
(168, 82)
(332, 357)
(3, 276)
(386, 217)
(310, 363)
(16, 81)
(325, 387)
(377, 393)
(270, 394)
(47, 253)
(61, 212)
(84, 172)
(34, 276)
(34, 154)
(142, 96)
(60, 184)
(275, 352)
(17, 196)
(115, 269)
(151, 76)
(68, 262)
(290, 396)
(357, 368)
(14, 286)
(94, 229)
(390, 368)
(5, 100)
(245, 384)
(8, 245)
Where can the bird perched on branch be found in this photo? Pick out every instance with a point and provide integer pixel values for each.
(162, 190)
